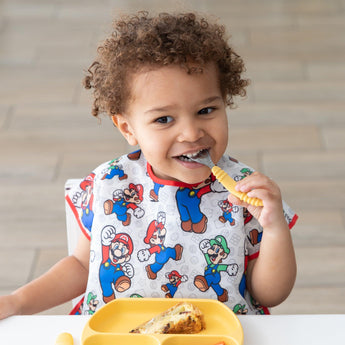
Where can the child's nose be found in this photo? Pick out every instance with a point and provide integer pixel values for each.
(190, 131)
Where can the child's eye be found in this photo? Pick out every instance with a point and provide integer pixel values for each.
(205, 111)
(164, 119)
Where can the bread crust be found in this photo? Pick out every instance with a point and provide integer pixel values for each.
(183, 318)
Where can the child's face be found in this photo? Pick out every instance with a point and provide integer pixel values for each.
(172, 114)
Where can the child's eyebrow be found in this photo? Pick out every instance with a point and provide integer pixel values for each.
(212, 99)
(169, 107)
(159, 109)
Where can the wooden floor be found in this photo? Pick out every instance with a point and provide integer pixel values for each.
(291, 126)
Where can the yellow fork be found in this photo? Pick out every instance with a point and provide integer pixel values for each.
(228, 182)
(64, 339)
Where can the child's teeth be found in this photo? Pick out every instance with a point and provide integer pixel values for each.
(187, 156)
(192, 155)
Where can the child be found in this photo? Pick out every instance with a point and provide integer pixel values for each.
(154, 223)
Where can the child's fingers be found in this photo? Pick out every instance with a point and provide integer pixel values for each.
(236, 201)
(248, 183)
(255, 181)
(258, 186)
(260, 193)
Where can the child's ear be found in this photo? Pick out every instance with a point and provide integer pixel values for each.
(123, 125)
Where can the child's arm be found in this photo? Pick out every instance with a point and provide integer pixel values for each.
(272, 275)
(64, 281)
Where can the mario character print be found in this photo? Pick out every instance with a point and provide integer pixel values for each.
(175, 279)
(91, 303)
(155, 236)
(84, 201)
(245, 172)
(254, 237)
(134, 156)
(154, 192)
(260, 309)
(188, 204)
(227, 209)
(215, 251)
(114, 169)
(240, 309)
(123, 200)
(247, 216)
(115, 272)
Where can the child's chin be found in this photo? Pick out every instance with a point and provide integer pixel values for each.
(196, 178)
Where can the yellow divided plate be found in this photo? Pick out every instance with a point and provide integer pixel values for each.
(111, 324)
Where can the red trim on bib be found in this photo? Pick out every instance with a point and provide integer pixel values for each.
(77, 307)
(293, 222)
(75, 212)
(158, 180)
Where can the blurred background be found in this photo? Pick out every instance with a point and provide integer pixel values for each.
(291, 126)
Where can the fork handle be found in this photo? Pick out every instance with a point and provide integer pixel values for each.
(64, 339)
(229, 183)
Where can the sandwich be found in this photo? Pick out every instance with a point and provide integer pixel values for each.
(181, 318)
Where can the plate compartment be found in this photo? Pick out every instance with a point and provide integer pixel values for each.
(112, 323)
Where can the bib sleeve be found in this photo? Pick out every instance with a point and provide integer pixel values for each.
(79, 205)
(253, 230)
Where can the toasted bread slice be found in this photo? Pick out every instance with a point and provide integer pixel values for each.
(182, 318)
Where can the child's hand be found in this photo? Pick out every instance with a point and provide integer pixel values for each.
(260, 186)
(269, 284)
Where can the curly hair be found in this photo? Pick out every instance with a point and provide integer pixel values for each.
(142, 41)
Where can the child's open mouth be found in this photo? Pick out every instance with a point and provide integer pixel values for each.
(188, 157)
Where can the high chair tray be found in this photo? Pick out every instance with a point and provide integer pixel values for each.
(111, 324)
